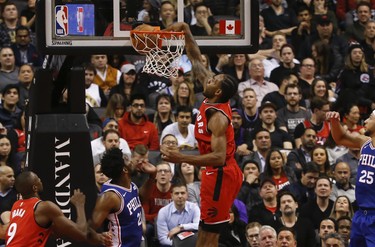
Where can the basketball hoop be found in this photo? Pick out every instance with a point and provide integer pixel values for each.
(163, 50)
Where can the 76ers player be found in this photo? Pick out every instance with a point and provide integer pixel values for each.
(363, 229)
(222, 178)
(119, 201)
(33, 220)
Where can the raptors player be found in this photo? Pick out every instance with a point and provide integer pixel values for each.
(33, 220)
(363, 228)
(222, 178)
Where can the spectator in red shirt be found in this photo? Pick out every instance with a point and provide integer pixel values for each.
(134, 126)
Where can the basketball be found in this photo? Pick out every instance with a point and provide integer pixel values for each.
(143, 43)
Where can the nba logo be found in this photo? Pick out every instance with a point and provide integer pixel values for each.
(80, 19)
(61, 16)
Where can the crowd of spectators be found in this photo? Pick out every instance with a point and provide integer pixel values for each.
(298, 187)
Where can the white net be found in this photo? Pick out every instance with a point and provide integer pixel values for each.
(163, 51)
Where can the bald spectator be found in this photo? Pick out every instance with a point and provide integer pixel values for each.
(257, 81)
(342, 186)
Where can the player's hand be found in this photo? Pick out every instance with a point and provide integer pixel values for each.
(146, 167)
(178, 27)
(106, 239)
(78, 198)
(173, 232)
(171, 154)
(332, 115)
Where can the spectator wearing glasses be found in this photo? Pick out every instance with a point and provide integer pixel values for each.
(134, 126)
(306, 76)
(155, 194)
(252, 234)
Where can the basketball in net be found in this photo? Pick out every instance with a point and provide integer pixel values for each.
(144, 40)
(163, 49)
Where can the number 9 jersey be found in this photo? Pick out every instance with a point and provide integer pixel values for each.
(22, 229)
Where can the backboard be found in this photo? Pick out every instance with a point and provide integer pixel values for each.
(103, 26)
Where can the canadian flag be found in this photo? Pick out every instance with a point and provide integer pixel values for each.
(230, 26)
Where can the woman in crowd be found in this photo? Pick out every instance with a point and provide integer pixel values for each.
(189, 175)
(163, 115)
(328, 62)
(184, 95)
(238, 67)
(116, 107)
(276, 169)
(320, 88)
(320, 156)
(342, 207)
(7, 155)
(356, 82)
(351, 119)
(233, 235)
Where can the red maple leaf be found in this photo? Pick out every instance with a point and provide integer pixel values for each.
(230, 27)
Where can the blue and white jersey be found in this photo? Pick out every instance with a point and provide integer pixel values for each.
(125, 224)
(365, 185)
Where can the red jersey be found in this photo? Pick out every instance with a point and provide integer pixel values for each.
(321, 134)
(203, 135)
(23, 230)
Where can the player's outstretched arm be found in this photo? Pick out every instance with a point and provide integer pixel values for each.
(341, 136)
(48, 212)
(5, 217)
(192, 50)
(106, 203)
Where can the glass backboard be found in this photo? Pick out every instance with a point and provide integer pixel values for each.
(103, 26)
